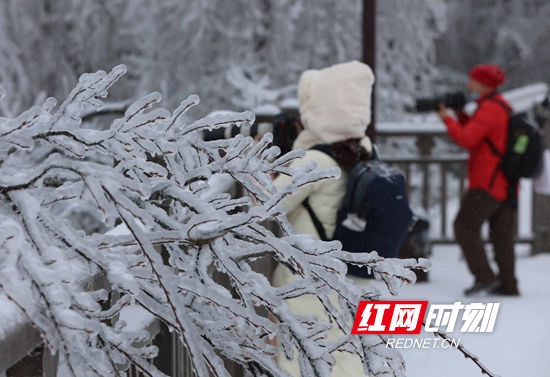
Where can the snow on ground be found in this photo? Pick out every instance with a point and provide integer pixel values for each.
(518, 346)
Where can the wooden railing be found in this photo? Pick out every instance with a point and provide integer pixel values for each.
(437, 181)
(427, 200)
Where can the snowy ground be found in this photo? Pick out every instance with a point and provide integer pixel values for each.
(518, 346)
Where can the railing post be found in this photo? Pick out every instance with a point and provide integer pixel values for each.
(541, 212)
(49, 363)
(369, 54)
(443, 200)
(425, 145)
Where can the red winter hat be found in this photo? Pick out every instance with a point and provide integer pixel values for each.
(488, 74)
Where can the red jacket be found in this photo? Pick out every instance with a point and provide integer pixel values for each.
(490, 121)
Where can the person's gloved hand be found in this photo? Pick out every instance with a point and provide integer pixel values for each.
(443, 112)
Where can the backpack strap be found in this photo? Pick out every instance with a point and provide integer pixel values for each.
(507, 108)
(492, 146)
(491, 97)
(325, 148)
(504, 105)
(316, 222)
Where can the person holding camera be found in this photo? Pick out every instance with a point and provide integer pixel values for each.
(489, 195)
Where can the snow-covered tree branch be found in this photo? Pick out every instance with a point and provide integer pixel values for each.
(153, 175)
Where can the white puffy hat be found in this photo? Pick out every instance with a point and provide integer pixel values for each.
(335, 103)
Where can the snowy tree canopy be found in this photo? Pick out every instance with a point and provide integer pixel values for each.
(406, 53)
(510, 33)
(151, 173)
(237, 54)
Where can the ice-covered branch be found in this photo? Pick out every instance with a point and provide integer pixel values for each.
(159, 190)
(467, 354)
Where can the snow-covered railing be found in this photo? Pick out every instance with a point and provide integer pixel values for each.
(17, 336)
(436, 175)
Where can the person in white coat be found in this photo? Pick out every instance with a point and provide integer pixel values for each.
(335, 105)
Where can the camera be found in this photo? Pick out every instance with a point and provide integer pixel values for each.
(253, 130)
(455, 100)
(285, 128)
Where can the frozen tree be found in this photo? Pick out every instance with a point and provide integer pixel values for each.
(236, 54)
(296, 35)
(505, 32)
(253, 93)
(305, 34)
(151, 173)
(45, 45)
(406, 51)
(241, 53)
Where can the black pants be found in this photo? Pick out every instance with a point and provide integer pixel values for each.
(477, 207)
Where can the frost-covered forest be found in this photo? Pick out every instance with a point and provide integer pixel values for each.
(236, 54)
(511, 33)
(241, 54)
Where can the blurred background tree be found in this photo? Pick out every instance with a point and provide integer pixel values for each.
(506, 32)
(242, 54)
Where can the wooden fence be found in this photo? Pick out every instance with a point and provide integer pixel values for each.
(436, 180)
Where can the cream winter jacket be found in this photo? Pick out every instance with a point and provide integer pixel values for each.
(334, 106)
(325, 197)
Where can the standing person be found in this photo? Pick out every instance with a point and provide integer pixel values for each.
(335, 107)
(489, 196)
(335, 111)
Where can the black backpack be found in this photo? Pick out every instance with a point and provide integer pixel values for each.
(375, 212)
(524, 148)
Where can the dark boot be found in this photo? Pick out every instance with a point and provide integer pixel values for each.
(500, 289)
(481, 289)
